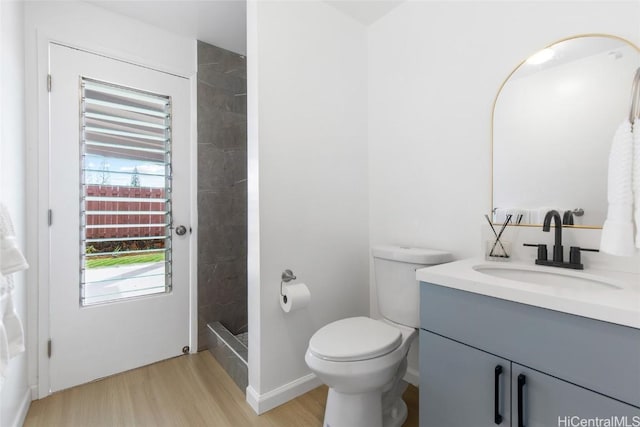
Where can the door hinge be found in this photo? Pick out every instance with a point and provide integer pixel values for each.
(49, 349)
(49, 217)
(48, 82)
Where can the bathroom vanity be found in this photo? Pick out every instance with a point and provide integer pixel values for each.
(500, 351)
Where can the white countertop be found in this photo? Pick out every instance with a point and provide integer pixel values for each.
(620, 306)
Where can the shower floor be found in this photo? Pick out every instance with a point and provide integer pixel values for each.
(231, 351)
(244, 338)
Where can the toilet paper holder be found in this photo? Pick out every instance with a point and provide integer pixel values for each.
(286, 277)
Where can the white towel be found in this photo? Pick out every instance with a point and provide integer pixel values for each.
(4, 342)
(537, 215)
(618, 232)
(500, 215)
(11, 259)
(636, 179)
(11, 321)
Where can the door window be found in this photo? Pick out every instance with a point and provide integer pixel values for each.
(125, 179)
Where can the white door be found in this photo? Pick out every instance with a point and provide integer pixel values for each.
(119, 199)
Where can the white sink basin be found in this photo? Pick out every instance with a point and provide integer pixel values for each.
(549, 276)
(610, 296)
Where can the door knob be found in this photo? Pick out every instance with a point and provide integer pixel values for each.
(181, 230)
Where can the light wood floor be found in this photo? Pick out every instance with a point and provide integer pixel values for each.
(190, 390)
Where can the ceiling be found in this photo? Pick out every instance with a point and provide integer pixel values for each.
(223, 22)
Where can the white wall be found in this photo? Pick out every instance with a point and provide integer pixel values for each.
(307, 135)
(434, 71)
(84, 26)
(92, 28)
(15, 394)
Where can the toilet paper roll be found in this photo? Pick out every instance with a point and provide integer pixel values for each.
(295, 297)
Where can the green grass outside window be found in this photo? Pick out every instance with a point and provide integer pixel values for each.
(119, 260)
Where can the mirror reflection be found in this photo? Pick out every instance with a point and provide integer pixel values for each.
(554, 120)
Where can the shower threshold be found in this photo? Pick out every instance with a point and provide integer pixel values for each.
(231, 351)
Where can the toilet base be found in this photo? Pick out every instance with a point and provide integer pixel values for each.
(363, 410)
(397, 416)
(394, 409)
(353, 410)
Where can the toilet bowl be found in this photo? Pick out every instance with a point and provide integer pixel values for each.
(365, 380)
(364, 360)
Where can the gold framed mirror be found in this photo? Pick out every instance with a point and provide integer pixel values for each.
(553, 121)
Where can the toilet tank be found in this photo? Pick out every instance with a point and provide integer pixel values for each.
(398, 291)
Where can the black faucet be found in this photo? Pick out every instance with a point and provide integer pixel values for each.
(567, 218)
(558, 251)
(546, 226)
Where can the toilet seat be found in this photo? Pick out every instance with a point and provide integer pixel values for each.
(354, 339)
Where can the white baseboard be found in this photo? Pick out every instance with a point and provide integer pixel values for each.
(252, 399)
(262, 403)
(34, 392)
(21, 415)
(412, 377)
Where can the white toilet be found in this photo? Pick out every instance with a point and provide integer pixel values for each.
(363, 360)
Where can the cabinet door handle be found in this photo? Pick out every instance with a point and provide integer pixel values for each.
(497, 418)
(522, 381)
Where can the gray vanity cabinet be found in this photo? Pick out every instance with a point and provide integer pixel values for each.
(548, 401)
(559, 365)
(459, 383)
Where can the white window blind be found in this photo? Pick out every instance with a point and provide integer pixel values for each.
(125, 206)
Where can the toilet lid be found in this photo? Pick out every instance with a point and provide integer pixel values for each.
(355, 338)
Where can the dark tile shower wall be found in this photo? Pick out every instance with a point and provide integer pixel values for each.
(222, 190)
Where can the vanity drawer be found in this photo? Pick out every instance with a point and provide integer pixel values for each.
(597, 355)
